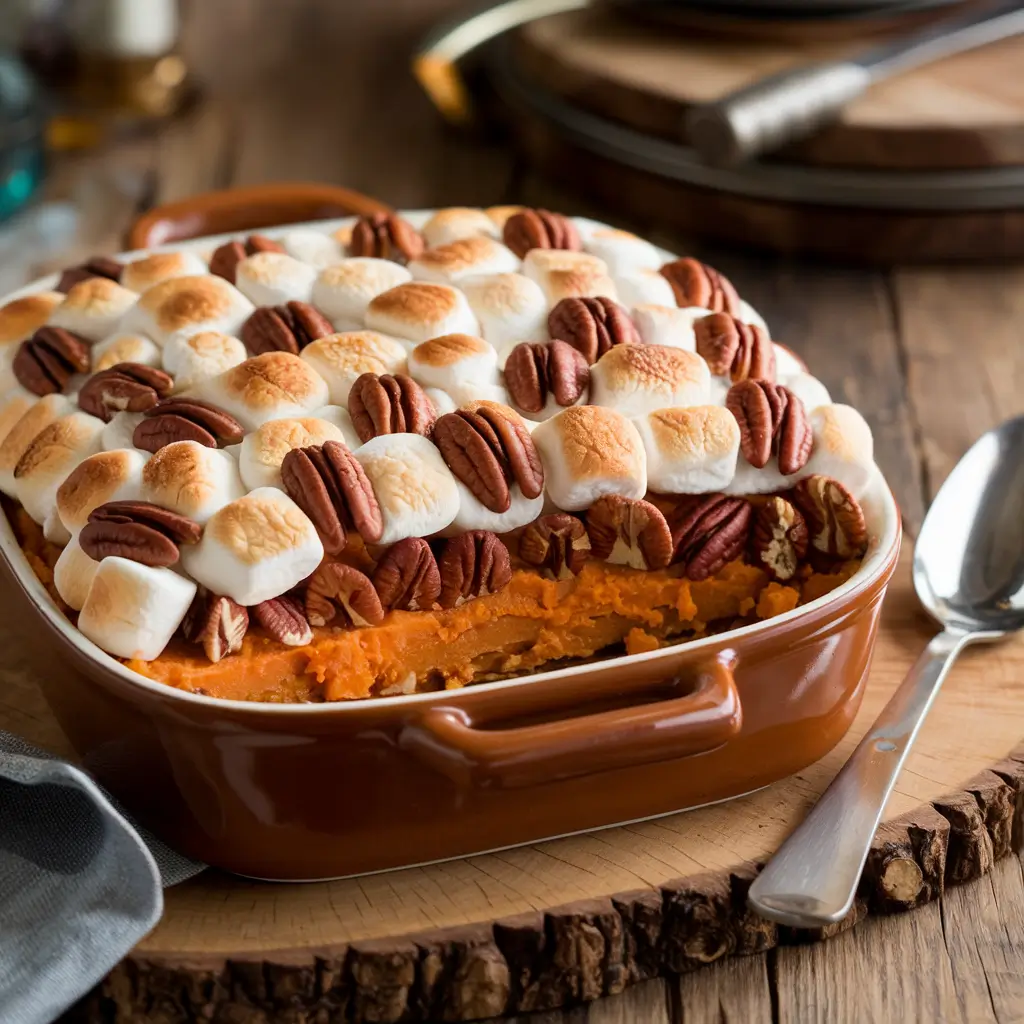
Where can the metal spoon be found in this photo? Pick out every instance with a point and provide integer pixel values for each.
(969, 573)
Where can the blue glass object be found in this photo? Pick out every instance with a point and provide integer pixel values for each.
(22, 124)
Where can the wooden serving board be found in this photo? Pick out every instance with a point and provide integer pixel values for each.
(575, 918)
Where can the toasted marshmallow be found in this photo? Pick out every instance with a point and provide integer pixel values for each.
(120, 431)
(314, 247)
(787, 364)
(808, 389)
(132, 610)
(142, 274)
(623, 251)
(204, 355)
(266, 387)
(13, 406)
(256, 548)
(843, 448)
(338, 416)
(473, 515)
(21, 318)
(510, 307)
(457, 222)
(343, 291)
(54, 530)
(274, 278)
(341, 358)
(93, 308)
(644, 287)
(474, 391)
(564, 274)
(453, 360)
(766, 480)
(73, 574)
(690, 451)
(192, 480)
(638, 379)
(107, 476)
(441, 401)
(417, 492)
(589, 451)
(262, 452)
(450, 263)
(184, 306)
(20, 434)
(53, 453)
(500, 214)
(668, 325)
(420, 310)
(587, 228)
(124, 348)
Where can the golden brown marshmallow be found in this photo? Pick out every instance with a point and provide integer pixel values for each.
(451, 263)
(36, 417)
(144, 273)
(21, 318)
(262, 452)
(637, 379)
(456, 222)
(564, 274)
(93, 308)
(341, 358)
(420, 310)
(105, 476)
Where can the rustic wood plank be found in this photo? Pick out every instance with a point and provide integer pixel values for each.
(648, 1003)
(735, 991)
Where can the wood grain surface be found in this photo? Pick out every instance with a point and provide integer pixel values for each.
(318, 90)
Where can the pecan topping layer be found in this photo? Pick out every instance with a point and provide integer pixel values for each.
(45, 362)
(734, 349)
(386, 404)
(557, 544)
(186, 419)
(328, 484)
(835, 519)
(473, 564)
(539, 229)
(225, 259)
(592, 326)
(131, 387)
(709, 532)
(407, 577)
(337, 591)
(385, 236)
(696, 284)
(216, 623)
(629, 531)
(95, 266)
(772, 421)
(778, 541)
(534, 371)
(487, 450)
(284, 619)
(137, 530)
(287, 328)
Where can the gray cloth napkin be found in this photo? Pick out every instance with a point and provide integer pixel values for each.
(79, 884)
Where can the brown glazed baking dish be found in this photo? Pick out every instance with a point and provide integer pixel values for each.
(311, 791)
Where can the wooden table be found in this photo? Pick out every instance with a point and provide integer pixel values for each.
(318, 90)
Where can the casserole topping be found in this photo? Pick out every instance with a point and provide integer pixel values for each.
(467, 448)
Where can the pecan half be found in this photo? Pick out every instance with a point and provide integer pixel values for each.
(709, 532)
(95, 266)
(125, 387)
(473, 564)
(45, 362)
(337, 590)
(284, 620)
(487, 450)
(539, 229)
(734, 349)
(137, 530)
(386, 404)
(772, 421)
(592, 326)
(225, 259)
(534, 371)
(835, 519)
(696, 284)
(186, 419)
(216, 623)
(385, 236)
(287, 328)
(778, 541)
(407, 577)
(629, 531)
(557, 544)
(328, 484)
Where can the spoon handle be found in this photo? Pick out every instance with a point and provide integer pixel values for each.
(812, 879)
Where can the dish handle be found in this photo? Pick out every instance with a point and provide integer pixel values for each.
(472, 753)
(244, 209)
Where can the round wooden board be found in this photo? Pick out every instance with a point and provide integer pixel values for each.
(579, 917)
(963, 112)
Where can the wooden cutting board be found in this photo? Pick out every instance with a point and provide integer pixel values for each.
(574, 918)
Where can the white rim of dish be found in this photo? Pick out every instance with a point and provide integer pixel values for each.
(879, 507)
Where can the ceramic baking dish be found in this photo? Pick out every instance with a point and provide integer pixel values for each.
(323, 790)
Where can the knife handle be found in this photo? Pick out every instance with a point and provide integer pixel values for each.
(773, 111)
